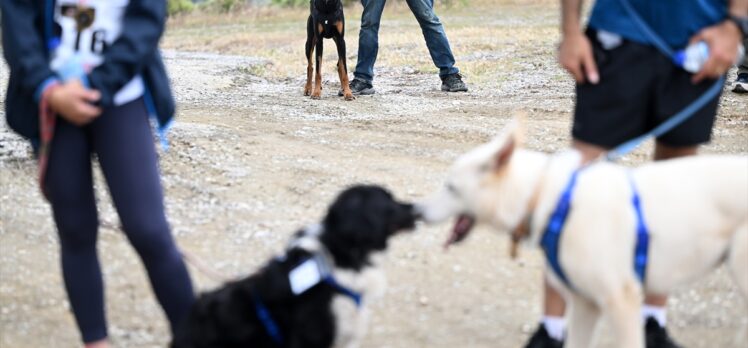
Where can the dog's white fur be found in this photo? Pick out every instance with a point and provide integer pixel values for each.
(351, 321)
(696, 209)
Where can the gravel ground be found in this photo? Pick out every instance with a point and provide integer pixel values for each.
(251, 160)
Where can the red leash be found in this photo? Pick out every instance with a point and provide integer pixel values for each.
(47, 118)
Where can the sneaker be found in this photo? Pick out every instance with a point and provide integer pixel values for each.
(453, 83)
(656, 336)
(359, 87)
(741, 83)
(541, 339)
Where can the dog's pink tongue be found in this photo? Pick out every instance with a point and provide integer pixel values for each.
(461, 229)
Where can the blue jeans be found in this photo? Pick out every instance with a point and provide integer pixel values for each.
(743, 67)
(433, 32)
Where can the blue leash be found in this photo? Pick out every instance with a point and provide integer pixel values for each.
(267, 320)
(625, 148)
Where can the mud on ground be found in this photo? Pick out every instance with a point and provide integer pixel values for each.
(251, 161)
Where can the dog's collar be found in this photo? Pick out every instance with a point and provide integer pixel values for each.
(522, 230)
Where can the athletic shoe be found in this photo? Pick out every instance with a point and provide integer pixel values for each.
(741, 83)
(541, 339)
(359, 87)
(656, 335)
(453, 83)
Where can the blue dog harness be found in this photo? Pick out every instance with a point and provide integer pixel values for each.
(552, 235)
(271, 327)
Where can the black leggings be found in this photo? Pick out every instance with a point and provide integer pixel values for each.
(122, 140)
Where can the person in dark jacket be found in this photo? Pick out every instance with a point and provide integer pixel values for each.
(85, 77)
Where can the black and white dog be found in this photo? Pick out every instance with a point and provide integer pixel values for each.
(315, 295)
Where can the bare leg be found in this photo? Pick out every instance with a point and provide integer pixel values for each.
(589, 151)
(554, 305)
(98, 344)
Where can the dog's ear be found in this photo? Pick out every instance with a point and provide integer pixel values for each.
(505, 153)
(507, 142)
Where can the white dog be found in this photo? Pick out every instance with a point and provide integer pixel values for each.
(696, 210)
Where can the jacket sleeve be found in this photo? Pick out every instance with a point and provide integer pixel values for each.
(144, 22)
(23, 43)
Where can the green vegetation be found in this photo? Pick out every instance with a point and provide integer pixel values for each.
(180, 6)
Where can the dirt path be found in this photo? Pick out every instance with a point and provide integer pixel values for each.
(251, 160)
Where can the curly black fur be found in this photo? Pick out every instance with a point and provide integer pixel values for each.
(359, 222)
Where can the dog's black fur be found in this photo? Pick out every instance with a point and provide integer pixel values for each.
(326, 21)
(358, 223)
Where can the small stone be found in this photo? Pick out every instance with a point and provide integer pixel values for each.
(424, 301)
(526, 328)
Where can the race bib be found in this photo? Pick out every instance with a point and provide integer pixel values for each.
(86, 29)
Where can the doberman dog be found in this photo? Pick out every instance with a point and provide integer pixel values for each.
(326, 21)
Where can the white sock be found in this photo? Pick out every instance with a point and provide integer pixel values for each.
(555, 327)
(658, 313)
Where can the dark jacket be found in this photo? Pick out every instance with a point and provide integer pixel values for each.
(27, 29)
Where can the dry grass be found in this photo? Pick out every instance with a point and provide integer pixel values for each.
(485, 40)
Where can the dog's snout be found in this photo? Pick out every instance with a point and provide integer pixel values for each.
(417, 212)
(407, 216)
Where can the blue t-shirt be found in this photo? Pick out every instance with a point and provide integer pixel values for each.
(675, 21)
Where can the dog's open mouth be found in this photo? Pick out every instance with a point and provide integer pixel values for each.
(461, 229)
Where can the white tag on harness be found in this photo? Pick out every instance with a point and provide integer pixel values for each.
(304, 276)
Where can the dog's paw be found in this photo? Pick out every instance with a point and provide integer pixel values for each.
(307, 91)
(317, 94)
(349, 96)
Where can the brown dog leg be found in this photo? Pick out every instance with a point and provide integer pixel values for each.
(344, 83)
(317, 93)
(342, 66)
(309, 68)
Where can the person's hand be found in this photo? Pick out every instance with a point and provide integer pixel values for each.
(723, 40)
(73, 102)
(575, 55)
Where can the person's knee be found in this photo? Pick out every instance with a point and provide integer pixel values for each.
(426, 17)
(151, 238)
(77, 223)
(77, 233)
(370, 22)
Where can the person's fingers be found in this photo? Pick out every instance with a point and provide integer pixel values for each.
(87, 110)
(708, 70)
(697, 37)
(91, 95)
(590, 67)
(576, 71)
(572, 65)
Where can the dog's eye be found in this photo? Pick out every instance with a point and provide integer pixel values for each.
(452, 190)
